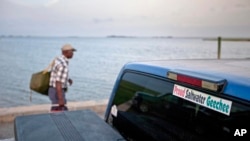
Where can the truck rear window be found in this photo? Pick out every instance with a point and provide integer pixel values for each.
(144, 108)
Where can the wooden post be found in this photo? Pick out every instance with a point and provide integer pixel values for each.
(219, 47)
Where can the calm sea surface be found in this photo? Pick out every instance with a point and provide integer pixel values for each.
(96, 63)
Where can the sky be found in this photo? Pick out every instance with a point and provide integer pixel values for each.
(189, 18)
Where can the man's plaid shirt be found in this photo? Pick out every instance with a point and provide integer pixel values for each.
(59, 72)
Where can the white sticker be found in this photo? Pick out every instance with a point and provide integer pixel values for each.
(209, 101)
(114, 110)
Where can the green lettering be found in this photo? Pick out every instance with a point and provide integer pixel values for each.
(214, 104)
(227, 107)
(208, 101)
(218, 105)
(224, 106)
(221, 105)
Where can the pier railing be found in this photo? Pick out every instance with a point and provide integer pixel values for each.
(220, 39)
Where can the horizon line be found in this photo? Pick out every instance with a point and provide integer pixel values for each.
(128, 36)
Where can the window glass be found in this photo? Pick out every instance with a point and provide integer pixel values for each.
(147, 110)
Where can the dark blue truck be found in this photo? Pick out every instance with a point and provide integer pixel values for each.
(175, 100)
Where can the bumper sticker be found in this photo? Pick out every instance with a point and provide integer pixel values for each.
(212, 102)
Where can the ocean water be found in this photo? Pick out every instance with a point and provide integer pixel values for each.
(96, 63)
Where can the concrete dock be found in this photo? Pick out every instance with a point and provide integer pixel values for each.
(7, 115)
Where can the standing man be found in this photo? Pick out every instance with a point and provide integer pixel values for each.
(59, 79)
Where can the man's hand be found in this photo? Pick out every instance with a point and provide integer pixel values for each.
(70, 82)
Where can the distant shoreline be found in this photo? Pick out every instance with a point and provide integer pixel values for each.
(125, 36)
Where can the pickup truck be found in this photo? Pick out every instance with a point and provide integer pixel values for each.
(176, 100)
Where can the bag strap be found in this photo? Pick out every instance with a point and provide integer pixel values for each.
(50, 66)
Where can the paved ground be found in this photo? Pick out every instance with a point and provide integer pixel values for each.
(10, 139)
(7, 131)
(7, 115)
